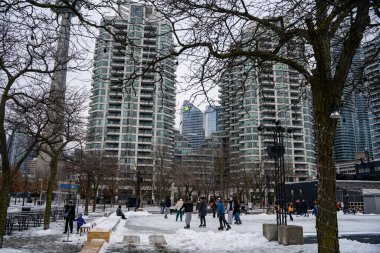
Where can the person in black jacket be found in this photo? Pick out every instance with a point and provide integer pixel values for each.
(69, 216)
(188, 207)
(168, 204)
(202, 211)
(236, 212)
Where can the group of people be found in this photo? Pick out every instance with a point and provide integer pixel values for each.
(231, 207)
(69, 216)
(301, 209)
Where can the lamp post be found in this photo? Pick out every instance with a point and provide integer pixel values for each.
(276, 151)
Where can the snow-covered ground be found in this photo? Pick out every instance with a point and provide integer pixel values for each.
(241, 238)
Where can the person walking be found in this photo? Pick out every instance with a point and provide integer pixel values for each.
(188, 208)
(162, 206)
(168, 204)
(177, 207)
(213, 207)
(236, 212)
(69, 216)
(80, 221)
(290, 210)
(221, 215)
(202, 211)
(230, 210)
(304, 208)
(120, 213)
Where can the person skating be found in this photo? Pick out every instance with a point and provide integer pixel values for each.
(230, 210)
(290, 210)
(213, 207)
(177, 208)
(80, 221)
(188, 208)
(168, 204)
(236, 212)
(304, 208)
(221, 215)
(120, 213)
(162, 206)
(69, 216)
(202, 211)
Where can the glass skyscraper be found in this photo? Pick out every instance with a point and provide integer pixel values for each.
(372, 74)
(211, 119)
(352, 133)
(192, 125)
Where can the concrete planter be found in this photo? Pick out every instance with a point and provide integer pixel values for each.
(290, 235)
(270, 231)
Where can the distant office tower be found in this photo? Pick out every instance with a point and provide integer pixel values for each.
(211, 119)
(192, 125)
(18, 144)
(372, 74)
(181, 147)
(251, 96)
(133, 121)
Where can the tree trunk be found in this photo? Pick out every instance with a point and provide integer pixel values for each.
(87, 196)
(49, 192)
(4, 200)
(94, 198)
(325, 129)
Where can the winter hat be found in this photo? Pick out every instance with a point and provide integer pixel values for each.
(218, 199)
(180, 199)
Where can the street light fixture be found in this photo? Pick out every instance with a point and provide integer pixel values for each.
(276, 151)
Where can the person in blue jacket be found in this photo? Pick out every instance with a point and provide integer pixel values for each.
(221, 215)
(80, 221)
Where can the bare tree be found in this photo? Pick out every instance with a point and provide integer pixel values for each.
(163, 172)
(184, 178)
(316, 38)
(98, 171)
(66, 125)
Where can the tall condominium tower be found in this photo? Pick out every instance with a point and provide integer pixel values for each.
(134, 119)
(372, 73)
(211, 119)
(352, 134)
(192, 125)
(252, 95)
